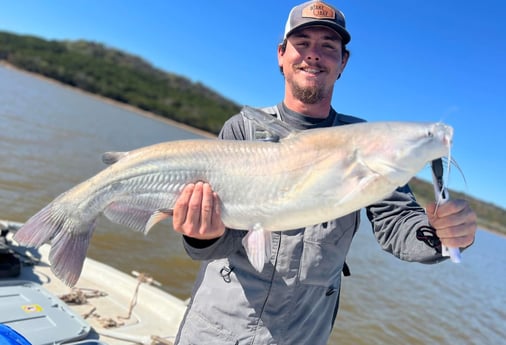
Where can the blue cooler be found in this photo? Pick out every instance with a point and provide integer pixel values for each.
(8, 336)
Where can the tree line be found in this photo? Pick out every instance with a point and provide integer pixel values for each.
(126, 78)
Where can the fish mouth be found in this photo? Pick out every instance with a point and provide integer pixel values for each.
(447, 140)
(444, 133)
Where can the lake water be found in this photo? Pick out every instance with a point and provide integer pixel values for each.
(52, 137)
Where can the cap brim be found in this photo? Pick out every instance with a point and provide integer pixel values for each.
(345, 36)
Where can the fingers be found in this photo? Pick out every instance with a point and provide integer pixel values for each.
(197, 212)
(454, 221)
(207, 204)
(181, 208)
(194, 206)
(216, 215)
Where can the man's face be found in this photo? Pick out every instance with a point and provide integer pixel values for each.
(312, 62)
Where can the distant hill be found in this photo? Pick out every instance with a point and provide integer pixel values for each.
(490, 216)
(123, 77)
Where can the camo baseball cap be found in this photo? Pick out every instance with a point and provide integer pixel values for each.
(317, 13)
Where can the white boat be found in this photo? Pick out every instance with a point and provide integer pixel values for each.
(106, 306)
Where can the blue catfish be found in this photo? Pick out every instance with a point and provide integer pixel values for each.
(304, 178)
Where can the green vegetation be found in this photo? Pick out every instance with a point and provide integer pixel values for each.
(123, 77)
(490, 216)
(129, 79)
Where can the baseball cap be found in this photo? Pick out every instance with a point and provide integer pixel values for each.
(317, 13)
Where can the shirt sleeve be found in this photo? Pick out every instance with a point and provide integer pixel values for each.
(401, 227)
(218, 248)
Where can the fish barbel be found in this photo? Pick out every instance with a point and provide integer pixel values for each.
(306, 178)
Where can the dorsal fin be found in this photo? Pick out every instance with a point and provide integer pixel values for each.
(112, 157)
(275, 127)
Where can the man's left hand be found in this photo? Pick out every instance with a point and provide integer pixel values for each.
(454, 221)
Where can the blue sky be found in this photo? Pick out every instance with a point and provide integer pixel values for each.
(411, 60)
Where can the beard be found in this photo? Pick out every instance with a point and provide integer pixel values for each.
(308, 94)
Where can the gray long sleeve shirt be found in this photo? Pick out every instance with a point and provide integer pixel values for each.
(295, 298)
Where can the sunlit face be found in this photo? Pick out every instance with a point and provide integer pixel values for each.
(312, 62)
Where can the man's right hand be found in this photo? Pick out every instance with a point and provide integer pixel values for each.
(197, 212)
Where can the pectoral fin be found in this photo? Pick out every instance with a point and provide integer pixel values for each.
(157, 217)
(257, 244)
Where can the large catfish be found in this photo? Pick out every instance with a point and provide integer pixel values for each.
(304, 178)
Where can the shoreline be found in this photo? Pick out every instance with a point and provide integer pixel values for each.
(119, 104)
(495, 232)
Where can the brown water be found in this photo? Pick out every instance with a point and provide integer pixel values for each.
(52, 138)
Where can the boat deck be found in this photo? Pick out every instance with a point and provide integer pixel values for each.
(120, 308)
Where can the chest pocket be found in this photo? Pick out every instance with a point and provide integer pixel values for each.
(324, 251)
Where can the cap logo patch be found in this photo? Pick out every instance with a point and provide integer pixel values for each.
(319, 10)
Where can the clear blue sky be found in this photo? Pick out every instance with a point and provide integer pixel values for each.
(411, 60)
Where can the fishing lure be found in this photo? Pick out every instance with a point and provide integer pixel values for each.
(442, 196)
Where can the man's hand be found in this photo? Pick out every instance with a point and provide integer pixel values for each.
(454, 221)
(197, 213)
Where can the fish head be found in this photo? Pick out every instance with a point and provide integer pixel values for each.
(399, 150)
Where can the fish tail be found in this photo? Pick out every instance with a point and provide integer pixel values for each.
(69, 240)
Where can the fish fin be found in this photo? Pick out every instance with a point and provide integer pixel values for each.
(69, 240)
(357, 176)
(112, 157)
(271, 124)
(257, 244)
(68, 251)
(136, 218)
(125, 214)
(40, 228)
(359, 186)
(157, 217)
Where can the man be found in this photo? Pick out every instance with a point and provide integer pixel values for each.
(294, 300)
